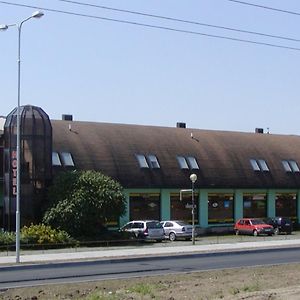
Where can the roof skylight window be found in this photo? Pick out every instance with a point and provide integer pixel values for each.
(192, 162)
(67, 159)
(294, 166)
(153, 162)
(55, 159)
(290, 166)
(142, 161)
(188, 162)
(182, 163)
(286, 166)
(254, 165)
(263, 165)
(259, 165)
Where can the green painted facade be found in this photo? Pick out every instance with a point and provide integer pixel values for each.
(1, 194)
(202, 202)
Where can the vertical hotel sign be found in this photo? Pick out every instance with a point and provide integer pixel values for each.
(14, 172)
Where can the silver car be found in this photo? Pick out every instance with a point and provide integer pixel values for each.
(177, 229)
(145, 229)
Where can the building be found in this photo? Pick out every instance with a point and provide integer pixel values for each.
(239, 174)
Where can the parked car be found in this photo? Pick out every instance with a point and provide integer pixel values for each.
(145, 229)
(253, 226)
(177, 229)
(280, 224)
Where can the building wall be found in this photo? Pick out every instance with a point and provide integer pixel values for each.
(1, 181)
(202, 200)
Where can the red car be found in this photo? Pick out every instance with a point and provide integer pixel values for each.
(253, 226)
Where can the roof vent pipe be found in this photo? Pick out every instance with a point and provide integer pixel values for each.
(259, 130)
(67, 117)
(180, 125)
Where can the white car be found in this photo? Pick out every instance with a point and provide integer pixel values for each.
(145, 229)
(177, 229)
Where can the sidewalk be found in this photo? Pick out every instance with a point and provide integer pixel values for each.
(164, 249)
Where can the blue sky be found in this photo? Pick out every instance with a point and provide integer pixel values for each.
(119, 73)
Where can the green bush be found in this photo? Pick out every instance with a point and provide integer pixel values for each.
(7, 238)
(42, 234)
(82, 202)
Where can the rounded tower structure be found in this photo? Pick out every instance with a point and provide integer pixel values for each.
(35, 164)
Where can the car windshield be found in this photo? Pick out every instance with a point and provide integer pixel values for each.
(181, 223)
(153, 225)
(257, 222)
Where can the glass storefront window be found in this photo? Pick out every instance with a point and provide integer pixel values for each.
(286, 205)
(255, 205)
(144, 206)
(182, 210)
(220, 208)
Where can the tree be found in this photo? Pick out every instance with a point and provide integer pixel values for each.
(83, 201)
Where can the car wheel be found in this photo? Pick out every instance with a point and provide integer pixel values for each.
(276, 231)
(255, 233)
(172, 236)
(237, 232)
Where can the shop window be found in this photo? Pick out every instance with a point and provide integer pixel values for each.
(286, 205)
(67, 159)
(142, 161)
(255, 205)
(144, 206)
(220, 208)
(182, 209)
(55, 159)
(290, 166)
(153, 162)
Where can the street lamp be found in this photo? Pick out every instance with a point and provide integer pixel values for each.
(193, 179)
(36, 14)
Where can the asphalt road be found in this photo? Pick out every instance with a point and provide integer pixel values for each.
(31, 275)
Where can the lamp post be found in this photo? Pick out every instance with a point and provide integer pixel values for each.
(193, 179)
(37, 14)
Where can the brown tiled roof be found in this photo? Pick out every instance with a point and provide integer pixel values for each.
(223, 157)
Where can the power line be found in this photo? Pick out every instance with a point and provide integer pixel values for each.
(154, 26)
(181, 20)
(266, 7)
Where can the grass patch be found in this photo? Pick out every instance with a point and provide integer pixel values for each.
(102, 296)
(251, 288)
(143, 289)
(234, 291)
